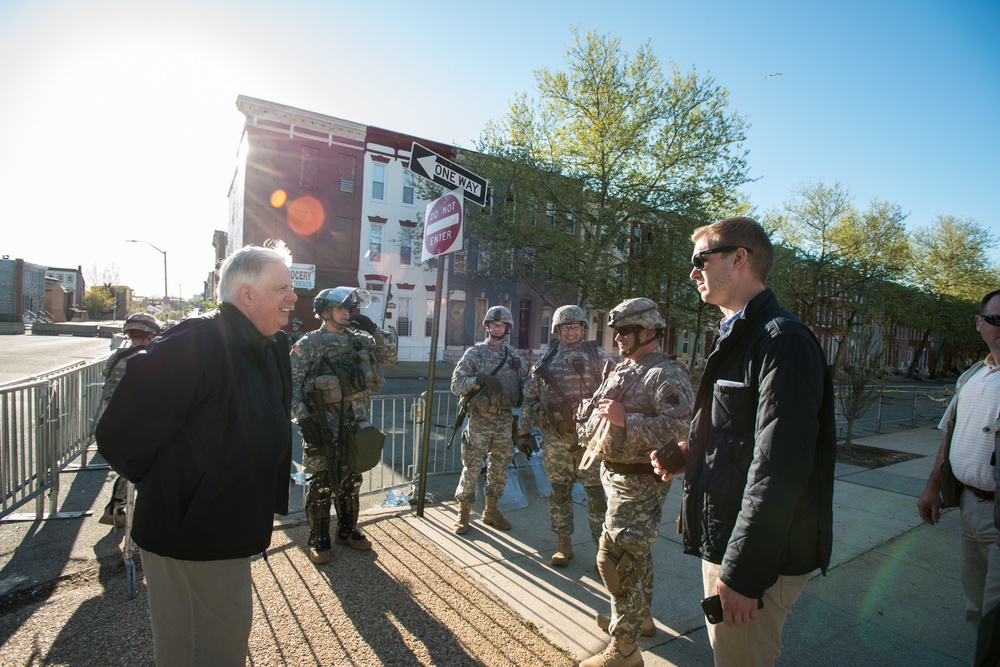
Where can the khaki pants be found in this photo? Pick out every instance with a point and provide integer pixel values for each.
(757, 643)
(201, 611)
(980, 556)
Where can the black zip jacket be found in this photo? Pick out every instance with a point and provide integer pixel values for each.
(201, 422)
(758, 488)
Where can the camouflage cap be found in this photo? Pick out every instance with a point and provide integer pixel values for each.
(142, 322)
(640, 312)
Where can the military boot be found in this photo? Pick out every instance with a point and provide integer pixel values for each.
(648, 627)
(462, 523)
(564, 552)
(492, 516)
(348, 507)
(618, 654)
(318, 515)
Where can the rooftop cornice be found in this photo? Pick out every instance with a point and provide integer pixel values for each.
(298, 122)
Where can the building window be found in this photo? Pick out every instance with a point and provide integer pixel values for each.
(378, 182)
(375, 243)
(348, 168)
(482, 305)
(429, 320)
(404, 322)
(570, 224)
(600, 331)
(408, 197)
(546, 321)
(309, 168)
(406, 252)
(550, 213)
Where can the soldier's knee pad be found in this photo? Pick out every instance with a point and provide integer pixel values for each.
(562, 494)
(320, 488)
(616, 567)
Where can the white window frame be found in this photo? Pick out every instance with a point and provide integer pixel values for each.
(379, 169)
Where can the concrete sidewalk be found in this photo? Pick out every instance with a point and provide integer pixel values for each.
(892, 595)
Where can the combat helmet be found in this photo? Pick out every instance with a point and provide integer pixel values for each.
(142, 322)
(346, 297)
(567, 314)
(641, 312)
(296, 322)
(498, 314)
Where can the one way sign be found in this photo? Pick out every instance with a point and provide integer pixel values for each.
(442, 171)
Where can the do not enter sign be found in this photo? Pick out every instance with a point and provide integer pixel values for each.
(443, 225)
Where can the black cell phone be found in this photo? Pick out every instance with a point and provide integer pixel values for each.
(671, 457)
(713, 608)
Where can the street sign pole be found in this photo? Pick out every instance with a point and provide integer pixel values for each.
(443, 227)
(425, 438)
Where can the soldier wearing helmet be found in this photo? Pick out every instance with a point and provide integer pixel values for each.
(488, 381)
(342, 357)
(297, 333)
(642, 404)
(139, 329)
(569, 372)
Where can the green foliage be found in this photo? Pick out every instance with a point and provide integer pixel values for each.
(98, 301)
(598, 183)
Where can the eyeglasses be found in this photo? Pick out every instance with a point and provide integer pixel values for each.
(576, 326)
(992, 320)
(698, 259)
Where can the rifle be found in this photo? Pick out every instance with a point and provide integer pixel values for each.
(464, 402)
(329, 448)
(567, 407)
(614, 393)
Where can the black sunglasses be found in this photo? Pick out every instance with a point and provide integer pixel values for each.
(992, 320)
(698, 259)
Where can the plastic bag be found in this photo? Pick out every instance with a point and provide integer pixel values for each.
(396, 499)
(513, 494)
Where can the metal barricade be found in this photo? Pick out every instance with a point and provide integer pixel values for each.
(401, 418)
(45, 423)
(897, 407)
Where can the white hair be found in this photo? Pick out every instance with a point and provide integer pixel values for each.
(246, 267)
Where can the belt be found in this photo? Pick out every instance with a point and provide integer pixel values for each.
(982, 495)
(630, 468)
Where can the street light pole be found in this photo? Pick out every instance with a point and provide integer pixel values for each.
(166, 297)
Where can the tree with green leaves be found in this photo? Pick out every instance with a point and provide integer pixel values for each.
(598, 183)
(950, 265)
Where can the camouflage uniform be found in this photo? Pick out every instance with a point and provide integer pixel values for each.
(561, 452)
(657, 395)
(490, 420)
(307, 364)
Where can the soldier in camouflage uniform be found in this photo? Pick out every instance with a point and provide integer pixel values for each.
(344, 355)
(488, 380)
(140, 329)
(569, 372)
(642, 404)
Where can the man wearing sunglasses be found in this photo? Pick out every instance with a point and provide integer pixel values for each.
(758, 482)
(970, 427)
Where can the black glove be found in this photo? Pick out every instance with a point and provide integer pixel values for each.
(524, 443)
(312, 431)
(364, 323)
(490, 383)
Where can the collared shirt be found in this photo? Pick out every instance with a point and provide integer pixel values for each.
(971, 447)
(726, 324)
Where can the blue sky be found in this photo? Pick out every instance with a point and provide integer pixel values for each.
(118, 118)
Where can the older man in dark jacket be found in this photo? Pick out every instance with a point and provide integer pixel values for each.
(758, 487)
(201, 423)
